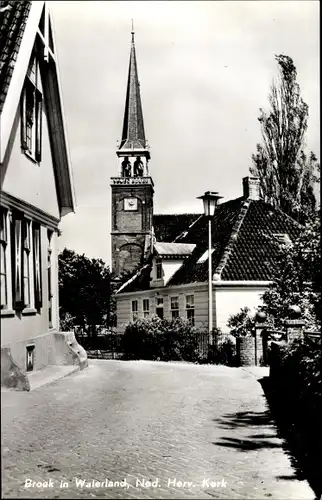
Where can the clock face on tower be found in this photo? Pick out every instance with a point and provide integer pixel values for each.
(130, 204)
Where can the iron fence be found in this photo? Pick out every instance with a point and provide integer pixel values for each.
(103, 343)
(99, 341)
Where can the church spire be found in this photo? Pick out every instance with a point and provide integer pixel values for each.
(133, 136)
(132, 189)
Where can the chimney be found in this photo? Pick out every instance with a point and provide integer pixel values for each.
(251, 188)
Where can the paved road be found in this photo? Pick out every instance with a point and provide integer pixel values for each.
(160, 430)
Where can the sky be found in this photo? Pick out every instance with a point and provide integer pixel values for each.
(205, 69)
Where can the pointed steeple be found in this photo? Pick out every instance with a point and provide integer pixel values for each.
(133, 136)
(132, 189)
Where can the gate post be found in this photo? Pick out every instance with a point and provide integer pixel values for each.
(294, 326)
(294, 329)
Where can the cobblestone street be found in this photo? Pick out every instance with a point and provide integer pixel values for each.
(192, 431)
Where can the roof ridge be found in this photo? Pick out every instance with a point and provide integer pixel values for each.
(133, 278)
(232, 239)
(189, 227)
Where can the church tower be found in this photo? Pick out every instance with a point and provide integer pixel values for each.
(132, 189)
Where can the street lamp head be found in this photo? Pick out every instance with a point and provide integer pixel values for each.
(210, 201)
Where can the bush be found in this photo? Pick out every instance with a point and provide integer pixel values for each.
(300, 370)
(225, 354)
(296, 383)
(154, 338)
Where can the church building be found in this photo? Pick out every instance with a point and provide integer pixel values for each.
(168, 254)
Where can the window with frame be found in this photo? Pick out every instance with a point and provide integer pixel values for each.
(26, 263)
(174, 307)
(146, 308)
(17, 261)
(31, 113)
(190, 308)
(49, 275)
(158, 266)
(134, 310)
(3, 261)
(37, 264)
(159, 307)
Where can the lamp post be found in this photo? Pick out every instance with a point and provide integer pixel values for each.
(210, 200)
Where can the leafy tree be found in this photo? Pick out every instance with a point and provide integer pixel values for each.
(287, 173)
(116, 283)
(297, 278)
(84, 289)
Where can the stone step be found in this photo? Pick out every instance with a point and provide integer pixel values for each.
(49, 374)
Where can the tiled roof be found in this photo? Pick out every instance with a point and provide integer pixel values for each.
(13, 17)
(243, 249)
(136, 280)
(253, 254)
(168, 227)
(140, 281)
(174, 249)
(222, 225)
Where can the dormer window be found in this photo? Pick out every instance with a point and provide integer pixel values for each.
(31, 113)
(158, 266)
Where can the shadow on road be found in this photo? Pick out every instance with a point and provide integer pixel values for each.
(275, 430)
(246, 445)
(296, 445)
(253, 441)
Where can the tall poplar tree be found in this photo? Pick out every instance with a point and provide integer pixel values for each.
(287, 173)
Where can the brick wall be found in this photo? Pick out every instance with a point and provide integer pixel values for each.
(294, 328)
(246, 351)
(130, 228)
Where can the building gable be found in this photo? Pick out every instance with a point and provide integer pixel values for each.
(33, 166)
(35, 33)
